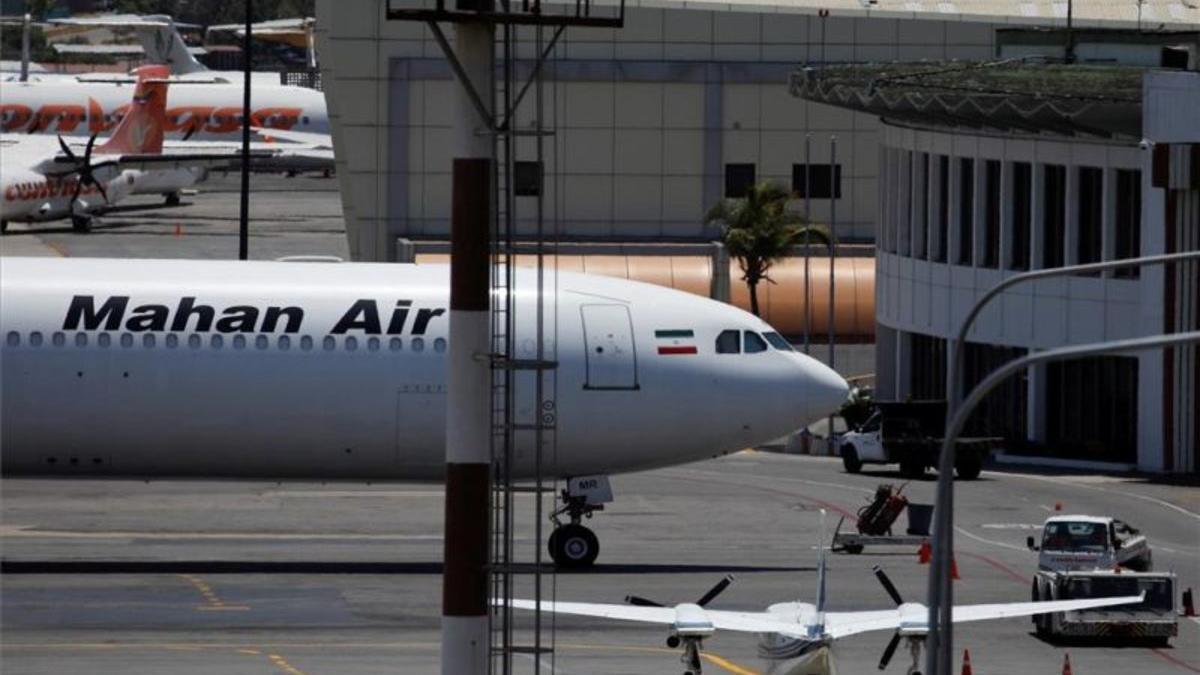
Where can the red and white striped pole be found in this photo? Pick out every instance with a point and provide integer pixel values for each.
(468, 455)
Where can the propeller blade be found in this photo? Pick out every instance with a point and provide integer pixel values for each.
(889, 650)
(100, 187)
(78, 189)
(642, 602)
(888, 586)
(715, 590)
(66, 148)
(87, 152)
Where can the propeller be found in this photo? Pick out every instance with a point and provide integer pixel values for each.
(890, 649)
(83, 167)
(708, 597)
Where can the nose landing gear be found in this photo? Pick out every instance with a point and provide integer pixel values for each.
(571, 545)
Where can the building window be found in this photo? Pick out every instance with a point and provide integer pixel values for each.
(1091, 209)
(527, 179)
(991, 213)
(966, 211)
(1093, 408)
(927, 371)
(942, 217)
(920, 242)
(739, 178)
(1128, 219)
(1022, 220)
(817, 181)
(1054, 215)
(1003, 411)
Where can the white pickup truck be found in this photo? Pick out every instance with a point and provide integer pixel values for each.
(1096, 556)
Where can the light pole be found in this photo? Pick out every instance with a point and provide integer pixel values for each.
(941, 592)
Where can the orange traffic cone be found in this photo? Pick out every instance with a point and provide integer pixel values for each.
(925, 554)
(967, 663)
(1058, 506)
(178, 230)
(1066, 664)
(954, 570)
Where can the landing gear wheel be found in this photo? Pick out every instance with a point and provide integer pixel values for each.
(3, 226)
(573, 546)
(850, 461)
(81, 224)
(171, 199)
(968, 468)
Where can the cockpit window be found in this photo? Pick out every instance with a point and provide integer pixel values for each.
(755, 343)
(778, 342)
(729, 342)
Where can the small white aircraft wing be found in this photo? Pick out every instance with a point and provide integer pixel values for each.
(842, 624)
(746, 622)
(965, 613)
(311, 138)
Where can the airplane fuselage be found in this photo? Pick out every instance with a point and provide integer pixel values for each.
(318, 370)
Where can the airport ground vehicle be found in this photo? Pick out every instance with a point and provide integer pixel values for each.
(1096, 556)
(909, 433)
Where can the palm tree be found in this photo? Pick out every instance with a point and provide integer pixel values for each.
(758, 231)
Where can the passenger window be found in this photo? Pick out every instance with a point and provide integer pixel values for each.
(239, 342)
(729, 342)
(373, 344)
(148, 340)
(351, 343)
(439, 345)
(126, 339)
(418, 344)
(103, 339)
(194, 341)
(328, 343)
(13, 338)
(755, 343)
(58, 339)
(172, 340)
(306, 343)
(217, 342)
(35, 339)
(261, 342)
(285, 343)
(395, 344)
(778, 342)
(81, 339)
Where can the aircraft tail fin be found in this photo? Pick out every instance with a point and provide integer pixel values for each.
(140, 131)
(164, 45)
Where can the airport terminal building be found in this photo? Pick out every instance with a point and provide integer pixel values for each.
(1093, 163)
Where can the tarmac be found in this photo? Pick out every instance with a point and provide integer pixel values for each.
(137, 577)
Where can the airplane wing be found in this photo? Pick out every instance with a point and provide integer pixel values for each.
(746, 622)
(305, 137)
(843, 624)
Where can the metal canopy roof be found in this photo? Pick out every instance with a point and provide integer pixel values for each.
(1011, 96)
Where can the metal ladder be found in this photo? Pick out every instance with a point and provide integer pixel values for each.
(517, 378)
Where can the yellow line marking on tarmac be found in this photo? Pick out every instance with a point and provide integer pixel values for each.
(54, 246)
(283, 665)
(215, 603)
(251, 652)
(727, 664)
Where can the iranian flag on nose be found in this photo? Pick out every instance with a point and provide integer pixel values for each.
(675, 341)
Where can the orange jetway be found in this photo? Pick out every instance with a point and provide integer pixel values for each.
(782, 303)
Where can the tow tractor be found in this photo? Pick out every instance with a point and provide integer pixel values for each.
(909, 433)
(1095, 556)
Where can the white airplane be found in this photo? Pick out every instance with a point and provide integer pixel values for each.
(325, 371)
(42, 178)
(795, 637)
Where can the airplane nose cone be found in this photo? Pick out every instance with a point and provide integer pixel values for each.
(826, 391)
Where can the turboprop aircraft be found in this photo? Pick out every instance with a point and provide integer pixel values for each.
(795, 637)
(42, 178)
(325, 371)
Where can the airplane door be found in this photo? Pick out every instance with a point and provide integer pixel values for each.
(609, 348)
